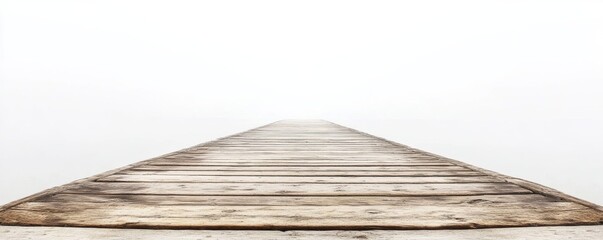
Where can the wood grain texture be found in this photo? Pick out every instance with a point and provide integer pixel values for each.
(75, 233)
(437, 216)
(294, 175)
(297, 168)
(160, 200)
(200, 172)
(306, 189)
(302, 168)
(295, 179)
(308, 163)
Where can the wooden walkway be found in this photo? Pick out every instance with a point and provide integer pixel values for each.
(300, 175)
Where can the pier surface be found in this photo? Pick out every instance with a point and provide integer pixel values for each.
(301, 176)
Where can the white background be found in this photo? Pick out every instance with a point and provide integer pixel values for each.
(514, 86)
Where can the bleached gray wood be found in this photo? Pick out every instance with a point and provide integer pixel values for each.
(187, 171)
(306, 189)
(300, 168)
(161, 200)
(312, 163)
(524, 233)
(294, 179)
(351, 217)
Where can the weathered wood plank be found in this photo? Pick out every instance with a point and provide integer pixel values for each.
(342, 168)
(295, 179)
(74, 233)
(187, 171)
(301, 217)
(307, 189)
(326, 154)
(293, 157)
(292, 163)
(310, 155)
(303, 147)
(416, 201)
(268, 142)
(309, 160)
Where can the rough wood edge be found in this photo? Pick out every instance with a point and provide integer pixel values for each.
(60, 188)
(63, 233)
(536, 188)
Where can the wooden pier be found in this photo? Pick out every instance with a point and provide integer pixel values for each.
(301, 176)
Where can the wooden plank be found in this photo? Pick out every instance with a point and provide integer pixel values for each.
(307, 160)
(294, 156)
(334, 149)
(305, 153)
(227, 146)
(260, 143)
(297, 143)
(295, 179)
(312, 158)
(419, 166)
(188, 172)
(74, 233)
(302, 138)
(296, 162)
(302, 217)
(300, 155)
(416, 201)
(308, 189)
(186, 167)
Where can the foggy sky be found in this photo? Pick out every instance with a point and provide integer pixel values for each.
(510, 86)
